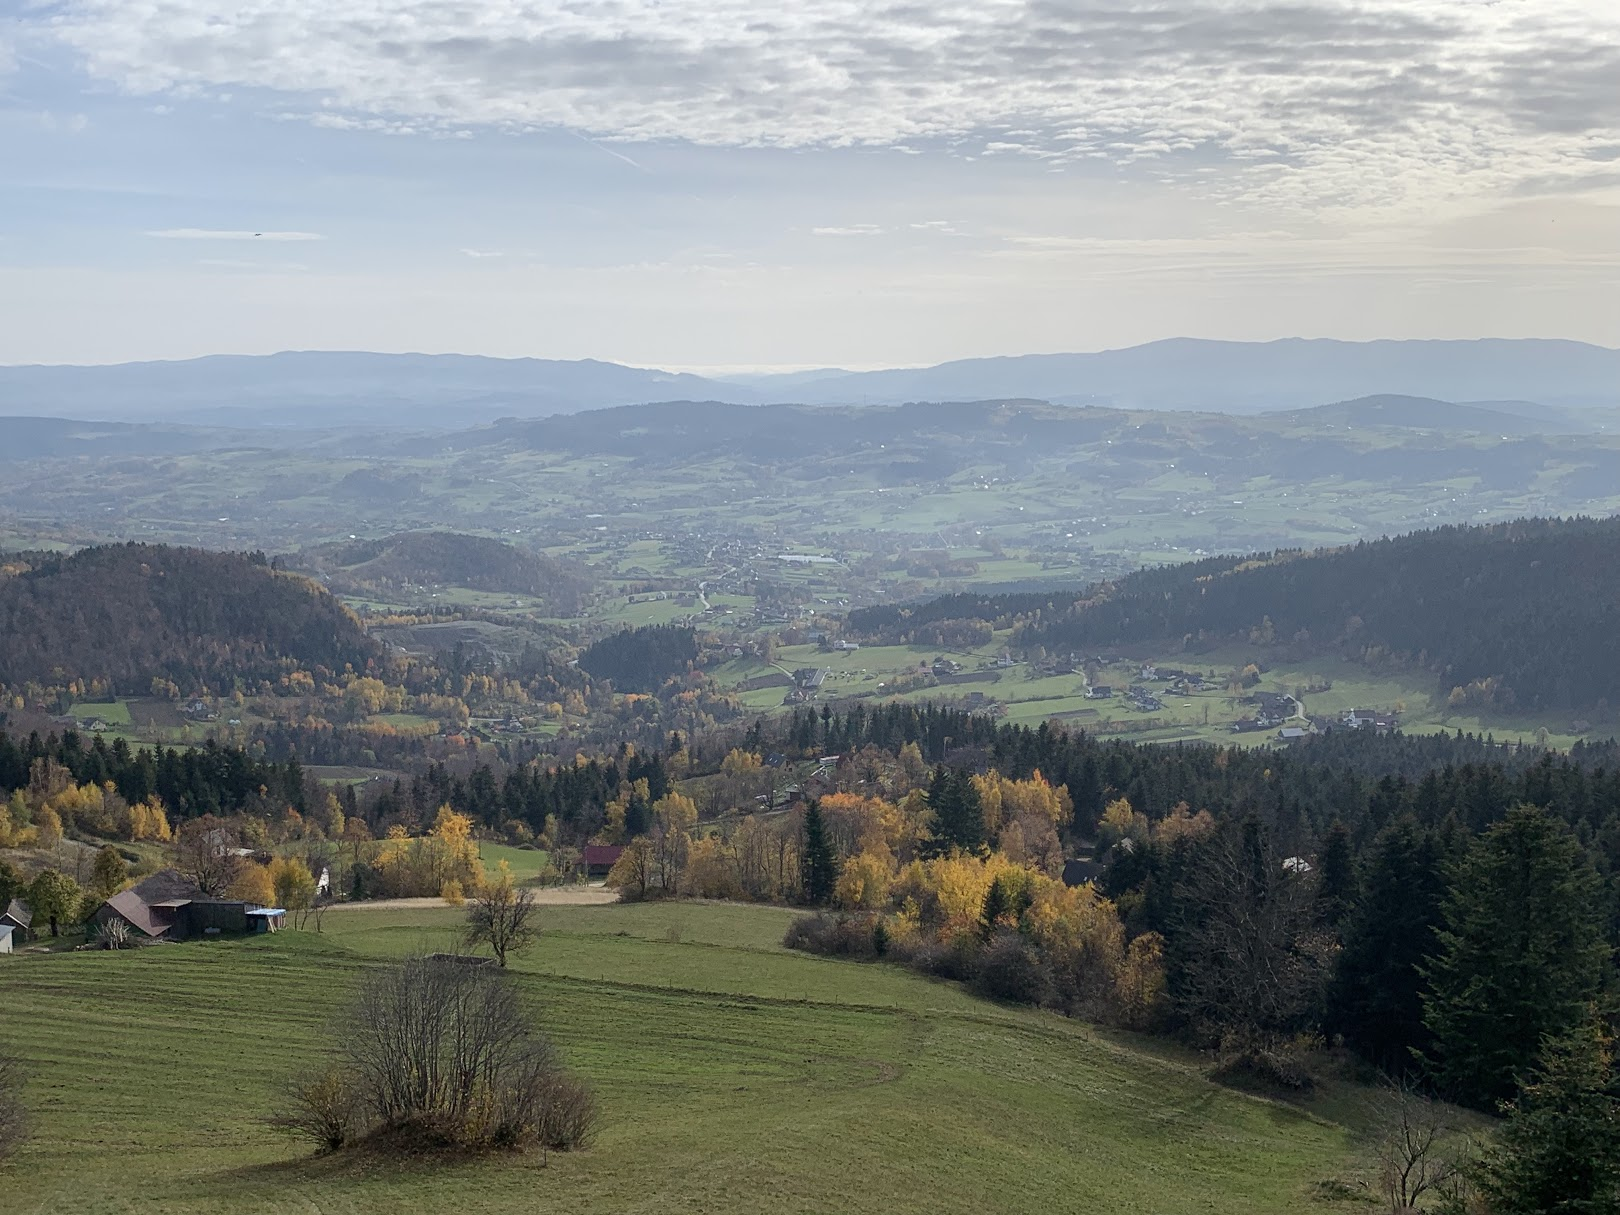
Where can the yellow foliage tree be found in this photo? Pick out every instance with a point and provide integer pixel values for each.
(254, 885)
(293, 883)
(865, 881)
(48, 824)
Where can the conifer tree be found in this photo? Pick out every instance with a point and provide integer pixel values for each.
(958, 821)
(1558, 1153)
(1375, 999)
(818, 867)
(1336, 877)
(1521, 956)
(997, 904)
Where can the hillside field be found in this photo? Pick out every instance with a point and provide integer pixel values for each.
(733, 1076)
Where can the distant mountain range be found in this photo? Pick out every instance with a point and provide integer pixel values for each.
(446, 392)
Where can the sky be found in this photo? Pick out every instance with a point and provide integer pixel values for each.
(720, 185)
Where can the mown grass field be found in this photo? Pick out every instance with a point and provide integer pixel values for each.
(733, 1077)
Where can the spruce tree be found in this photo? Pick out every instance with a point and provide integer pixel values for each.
(958, 817)
(1336, 877)
(1558, 1153)
(1375, 999)
(1521, 956)
(997, 904)
(818, 867)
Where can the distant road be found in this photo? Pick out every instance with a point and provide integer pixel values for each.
(550, 896)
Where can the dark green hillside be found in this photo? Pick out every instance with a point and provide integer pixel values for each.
(477, 563)
(1520, 615)
(640, 660)
(133, 613)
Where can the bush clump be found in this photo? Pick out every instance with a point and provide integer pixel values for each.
(439, 1051)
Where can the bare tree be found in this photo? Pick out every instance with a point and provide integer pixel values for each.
(498, 915)
(443, 1045)
(1252, 959)
(205, 852)
(1411, 1149)
(13, 1114)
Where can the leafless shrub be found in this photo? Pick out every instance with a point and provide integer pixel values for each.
(570, 1116)
(442, 1052)
(1008, 969)
(13, 1114)
(1268, 1061)
(325, 1109)
(112, 934)
(1413, 1150)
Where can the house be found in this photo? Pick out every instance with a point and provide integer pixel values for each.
(846, 647)
(6, 933)
(809, 679)
(1099, 691)
(19, 918)
(1290, 733)
(1081, 871)
(599, 859)
(171, 907)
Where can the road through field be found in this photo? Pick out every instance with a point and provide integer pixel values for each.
(552, 896)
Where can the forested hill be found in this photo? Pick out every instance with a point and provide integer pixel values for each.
(1519, 615)
(447, 559)
(128, 614)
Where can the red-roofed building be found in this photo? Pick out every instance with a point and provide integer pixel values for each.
(599, 859)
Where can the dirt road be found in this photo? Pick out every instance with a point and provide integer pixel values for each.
(552, 896)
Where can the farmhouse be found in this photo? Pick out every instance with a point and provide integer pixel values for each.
(1099, 691)
(18, 917)
(170, 907)
(6, 933)
(599, 859)
(1081, 871)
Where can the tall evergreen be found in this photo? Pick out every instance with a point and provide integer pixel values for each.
(818, 867)
(1521, 957)
(958, 817)
(1558, 1153)
(1336, 876)
(1375, 999)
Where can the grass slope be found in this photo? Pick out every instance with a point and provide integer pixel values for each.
(733, 1076)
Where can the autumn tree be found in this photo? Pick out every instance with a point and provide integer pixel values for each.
(293, 884)
(54, 897)
(109, 873)
(499, 914)
(632, 873)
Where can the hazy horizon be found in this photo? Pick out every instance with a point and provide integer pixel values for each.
(684, 184)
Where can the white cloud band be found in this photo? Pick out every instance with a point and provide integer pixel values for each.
(1362, 103)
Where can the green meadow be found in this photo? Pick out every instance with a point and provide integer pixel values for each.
(733, 1076)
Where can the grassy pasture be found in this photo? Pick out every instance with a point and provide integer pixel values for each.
(733, 1076)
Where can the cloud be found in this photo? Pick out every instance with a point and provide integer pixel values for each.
(480, 254)
(218, 234)
(849, 230)
(1316, 103)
